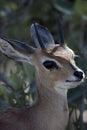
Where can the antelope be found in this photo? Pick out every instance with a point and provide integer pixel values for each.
(56, 72)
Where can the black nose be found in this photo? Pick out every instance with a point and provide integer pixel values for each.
(79, 74)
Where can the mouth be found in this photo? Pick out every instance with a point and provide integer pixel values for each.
(78, 80)
(75, 80)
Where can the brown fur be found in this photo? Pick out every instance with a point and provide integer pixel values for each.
(51, 110)
(50, 113)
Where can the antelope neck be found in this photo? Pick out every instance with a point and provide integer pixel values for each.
(51, 98)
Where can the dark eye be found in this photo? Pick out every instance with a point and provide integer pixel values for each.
(50, 65)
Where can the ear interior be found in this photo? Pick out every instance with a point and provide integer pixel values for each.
(44, 35)
(16, 50)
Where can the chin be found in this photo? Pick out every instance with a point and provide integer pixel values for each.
(73, 84)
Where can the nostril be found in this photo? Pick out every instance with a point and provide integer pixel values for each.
(78, 74)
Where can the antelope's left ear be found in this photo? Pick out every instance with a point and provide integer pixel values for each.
(15, 49)
(41, 36)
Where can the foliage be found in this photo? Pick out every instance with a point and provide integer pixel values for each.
(18, 79)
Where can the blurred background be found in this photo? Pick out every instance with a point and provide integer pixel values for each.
(17, 80)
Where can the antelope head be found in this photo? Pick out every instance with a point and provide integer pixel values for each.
(55, 64)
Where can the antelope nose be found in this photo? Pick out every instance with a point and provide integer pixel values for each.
(79, 74)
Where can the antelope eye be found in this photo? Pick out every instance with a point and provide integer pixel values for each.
(50, 65)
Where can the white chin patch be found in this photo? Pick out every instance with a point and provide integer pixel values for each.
(63, 87)
(71, 82)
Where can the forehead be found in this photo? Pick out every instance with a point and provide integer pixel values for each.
(63, 52)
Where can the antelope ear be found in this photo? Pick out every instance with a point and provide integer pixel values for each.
(41, 36)
(15, 49)
(62, 43)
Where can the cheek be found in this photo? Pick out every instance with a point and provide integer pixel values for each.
(62, 74)
(58, 75)
(44, 76)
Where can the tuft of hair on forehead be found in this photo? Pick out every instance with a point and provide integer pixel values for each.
(60, 51)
